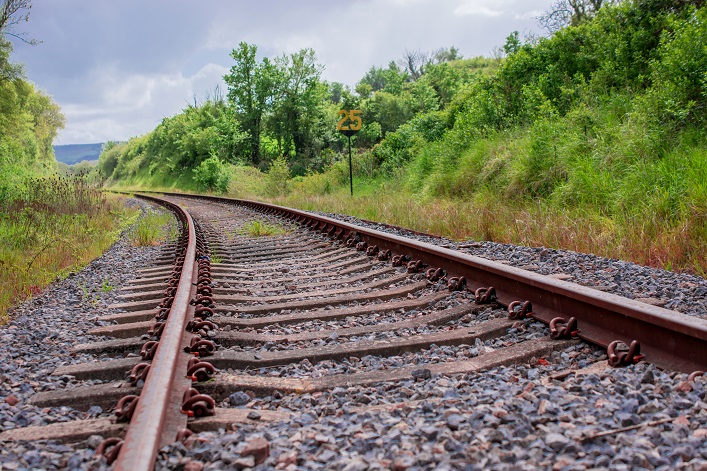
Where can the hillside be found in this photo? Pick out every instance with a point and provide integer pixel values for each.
(71, 154)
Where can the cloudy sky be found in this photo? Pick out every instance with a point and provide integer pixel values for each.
(117, 67)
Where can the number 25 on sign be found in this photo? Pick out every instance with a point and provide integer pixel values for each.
(350, 122)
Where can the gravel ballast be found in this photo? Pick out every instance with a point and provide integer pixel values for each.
(547, 414)
(681, 292)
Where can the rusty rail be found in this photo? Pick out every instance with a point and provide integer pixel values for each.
(666, 338)
(159, 401)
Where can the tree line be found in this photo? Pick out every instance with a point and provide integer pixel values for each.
(29, 118)
(281, 108)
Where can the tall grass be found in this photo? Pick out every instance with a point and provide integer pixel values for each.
(49, 228)
(681, 246)
(152, 228)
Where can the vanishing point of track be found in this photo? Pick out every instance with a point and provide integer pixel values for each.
(216, 292)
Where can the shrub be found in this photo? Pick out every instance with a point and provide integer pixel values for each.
(278, 175)
(212, 174)
(680, 74)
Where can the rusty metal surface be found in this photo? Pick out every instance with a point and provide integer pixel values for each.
(145, 434)
(667, 338)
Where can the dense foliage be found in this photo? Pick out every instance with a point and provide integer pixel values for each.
(49, 226)
(56, 226)
(29, 121)
(641, 61)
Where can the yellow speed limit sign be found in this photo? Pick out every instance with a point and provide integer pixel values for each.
(350, 122)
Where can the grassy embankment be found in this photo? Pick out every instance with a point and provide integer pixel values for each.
(535, 189)
(621, 189)
(607, 196)
(52, 227)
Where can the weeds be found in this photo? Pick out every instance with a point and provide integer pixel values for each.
(106, 287)
(49, 228)
(258, 228)
(86, 294)
(150, 229)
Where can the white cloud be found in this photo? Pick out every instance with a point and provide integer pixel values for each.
(516, 9)
(474, 9)
(479, 8)
(528, 15)
(131, 105)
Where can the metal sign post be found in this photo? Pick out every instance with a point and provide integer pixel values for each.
(350, 167)
(350, 123)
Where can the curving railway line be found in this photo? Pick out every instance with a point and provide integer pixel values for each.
(223, 318)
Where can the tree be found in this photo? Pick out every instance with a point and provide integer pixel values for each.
(48, 120)
(251, 87)
(444, 54)
(415, 62)
(513, 43)
(570, 13)
(336, 91)
(12, 13)
(298, 103)
(212, 174)
(8, 70)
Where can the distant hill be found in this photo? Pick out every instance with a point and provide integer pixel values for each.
(74, 153)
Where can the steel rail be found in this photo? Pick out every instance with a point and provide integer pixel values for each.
(157, 400)
(668, 338)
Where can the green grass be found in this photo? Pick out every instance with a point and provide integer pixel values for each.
(106, 287)
(618, 191)
(151, 229)
(256, 228)
(216, 259)
(604, 179)
(55, 227)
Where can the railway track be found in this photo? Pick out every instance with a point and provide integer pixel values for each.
(224, 319)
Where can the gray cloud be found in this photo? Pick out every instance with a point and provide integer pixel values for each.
(118, 67)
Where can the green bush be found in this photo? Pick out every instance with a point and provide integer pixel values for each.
(277, 178)
(247, 182)
(213, 175)
(679, 74)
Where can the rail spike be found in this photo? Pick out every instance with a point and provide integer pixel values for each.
(485, 295)
(626, 357)
(518, 310)
(197, 405)
(109, 449)
(456, 283)
(568, 330)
